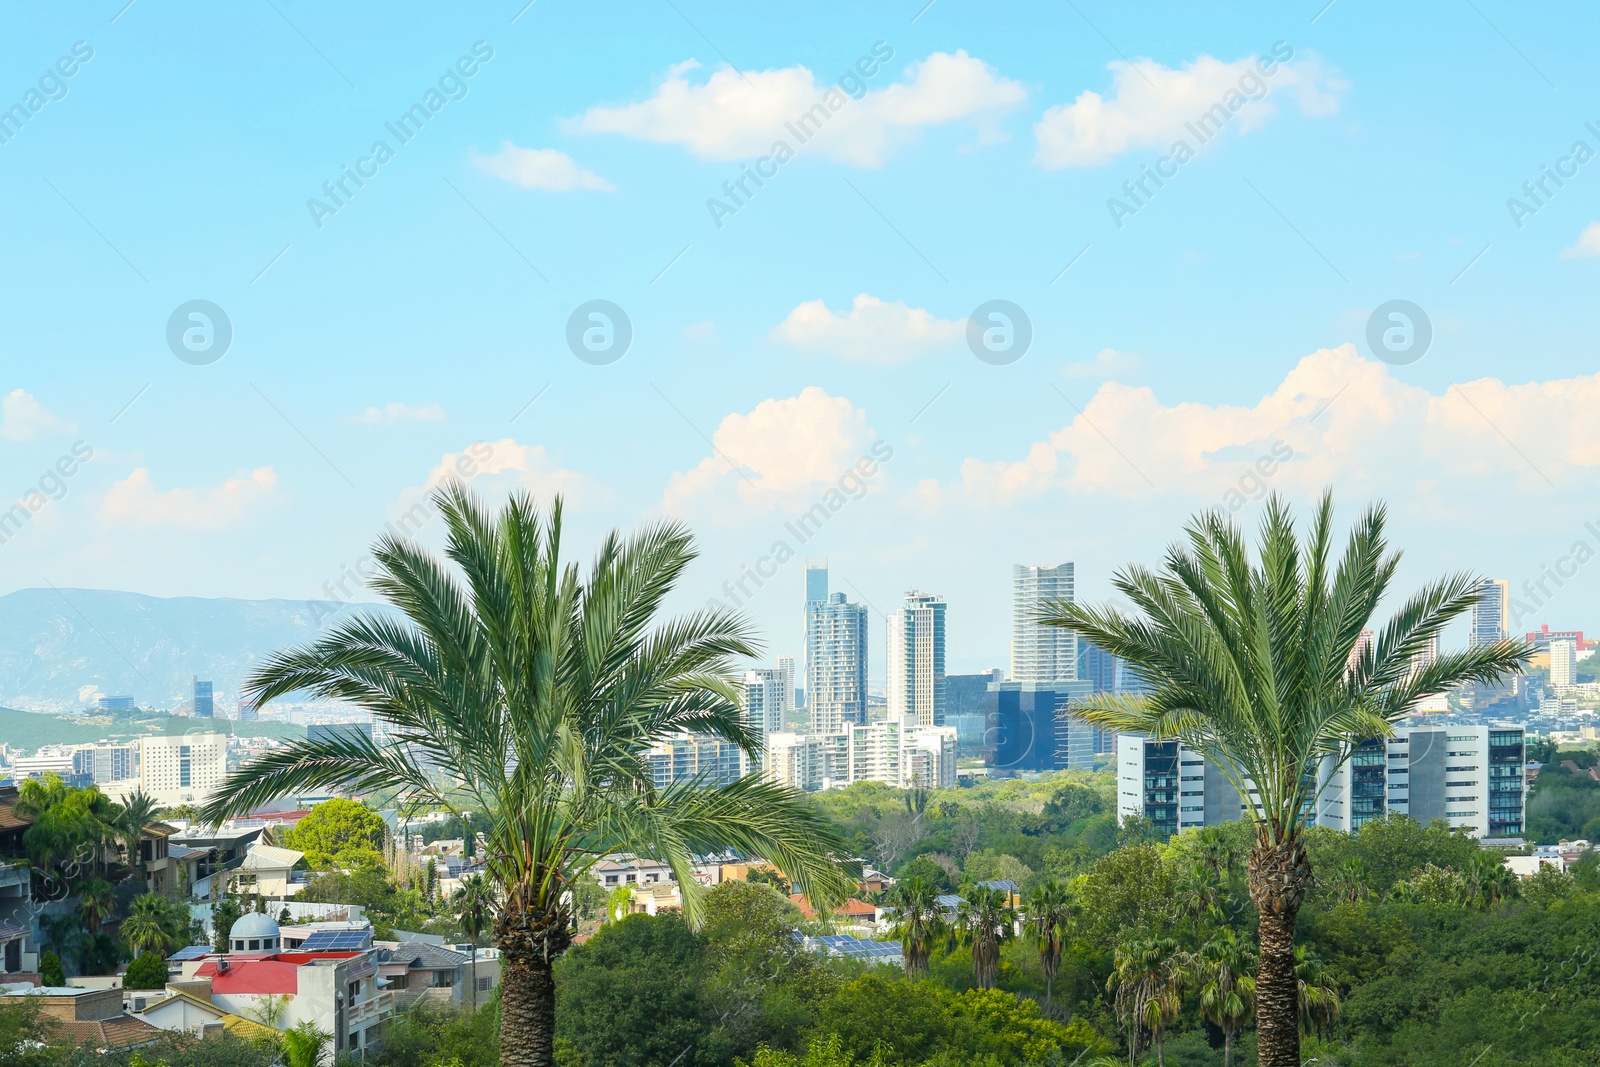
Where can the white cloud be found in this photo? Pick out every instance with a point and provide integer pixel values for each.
(495, 468)
(1107, 363)
(1588, 245)
(398, 412)
(873, 331)
(1336, 417)
(785, 451)
(1150, 104)
(540, 168)
(23, 418)
(135, 499)
(729, 117)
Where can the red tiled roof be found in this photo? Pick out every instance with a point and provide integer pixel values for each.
(121, 1032)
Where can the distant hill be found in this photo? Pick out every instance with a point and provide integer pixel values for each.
(29, 730)
(54, 643)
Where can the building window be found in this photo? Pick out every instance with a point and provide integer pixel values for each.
(355, 991)
(485, 984)
(398, 981)
(444, 979)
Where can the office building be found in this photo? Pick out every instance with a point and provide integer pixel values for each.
(1490, 614)
(916, 680)
(249, 711)
(1540, 639)
(1359, 650)
(116, 704)
(836, 663)
(701, 758)
(1041, 654)
(1096, 666)
(1172, 785)
(55, 759)
(106, 762)
(1563, 662)
(1029, 730)
(964, 702)
(1469, 776)
(185, 769)
(786, 684)
(201, 701)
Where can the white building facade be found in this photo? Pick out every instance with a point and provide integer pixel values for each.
(916, 683)
(1041, 654)
(185, 769)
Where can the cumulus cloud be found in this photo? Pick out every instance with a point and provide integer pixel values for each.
(495, 468)
(872, 331)
(780, 453)
(540, 168)
(1107, 363)
(727, 116)
(136, 500)
(23, 418)
(398, 412)
(1588, 245)
(1335, 417)
(1150, 104)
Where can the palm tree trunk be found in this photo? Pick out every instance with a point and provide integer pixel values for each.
(472, 980)
(1161, 1049)
(1279, 873)
(529, 941)
(1227, 1048)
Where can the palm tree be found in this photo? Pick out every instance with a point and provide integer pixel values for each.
(1048, 915)
(1227, 989)
(1351, 881)
(540, 691)
(1317, 1002)
(1198, 895)
(1217, 852)
(1488, 880)
(153, 923)
(303, 1044)
(1148, 977)
(96, 901)
(984, 920)
(474, 902)
(136, 812)
(1250, 663)
(919, 922)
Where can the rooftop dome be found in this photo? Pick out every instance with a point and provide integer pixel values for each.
(254, 932)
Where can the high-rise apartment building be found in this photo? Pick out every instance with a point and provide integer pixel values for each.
(106, 762)
(836, 664)
(899, 752)
(763, 701)
(1491, 618)
(786, 681)
(916, 681)
(1563, 661)
(699, 758)
(1358, 650)
(1043, 654)
(202, 702)
(183, 770)
(808, 761)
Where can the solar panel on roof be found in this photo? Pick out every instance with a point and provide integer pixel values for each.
(336, 941)
(191, 952)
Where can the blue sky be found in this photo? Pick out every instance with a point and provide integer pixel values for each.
(1224, 321)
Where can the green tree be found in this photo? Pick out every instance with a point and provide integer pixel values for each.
(96, 901)
(147, 971)
(1048, 917)
(1317, 1002)
(338, 832)
(50, 972)
(156, 924)
(984, 920)
(1250, 664)
(224, 914)
(930, 872)
(474, 904)
(1227, 989)
(1148, 978)
(132, 816)
(918, 923)
(303, 1045)
(25, 1032)
(542, 690)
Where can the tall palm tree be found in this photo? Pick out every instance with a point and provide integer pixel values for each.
(1217, 852)
(1488, 880)
(1250, 663)
(1148, 976)
(1317, 1001)
(474, 902)
(983, 920)
(1223, 969)
(516, 686)
(135, 813)
(1048, 914)
(919, 922)
(154, 923)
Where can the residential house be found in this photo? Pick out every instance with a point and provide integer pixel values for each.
(416, 971)
(19, 923)
(176, 1008)
(93, 1016)
(268, 871)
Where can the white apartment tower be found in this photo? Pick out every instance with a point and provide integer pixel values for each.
(1490, 615)
(1044, 654)
(836, 663)
(1563, 661)
(763, 701)
(916, 684)
(183, 770)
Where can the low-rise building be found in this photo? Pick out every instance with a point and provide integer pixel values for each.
(88, 1016)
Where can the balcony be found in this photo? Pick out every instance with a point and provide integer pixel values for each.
(365, 1012)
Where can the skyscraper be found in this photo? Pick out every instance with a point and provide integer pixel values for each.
(1041, 654)
(203, 708)
(1490, 620)
(786, 683)
(916, 660)
(1563, 661)
(763, 701)
(836, 663)
(816, 580)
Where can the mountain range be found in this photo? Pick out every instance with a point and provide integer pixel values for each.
(60, 648)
